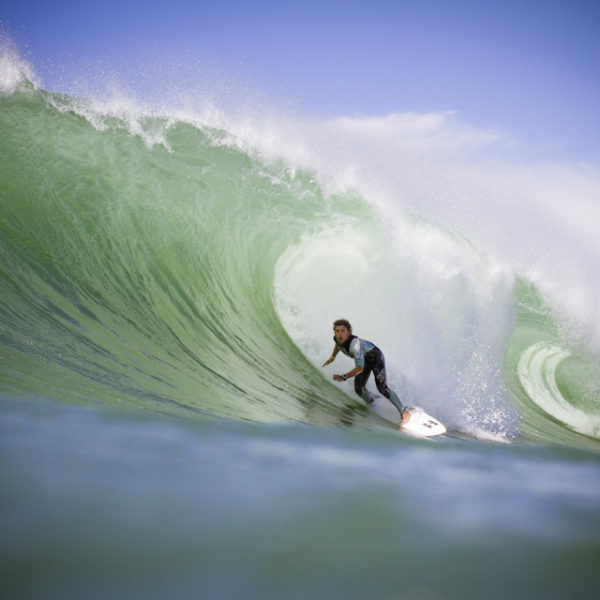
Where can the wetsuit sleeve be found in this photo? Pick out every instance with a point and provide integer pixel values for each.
(357, 352)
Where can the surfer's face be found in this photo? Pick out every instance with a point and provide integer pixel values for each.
(341, 334)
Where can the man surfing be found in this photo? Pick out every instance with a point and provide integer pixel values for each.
(367, 357)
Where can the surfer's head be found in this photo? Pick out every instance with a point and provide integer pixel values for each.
(342, 330)
(343, 323)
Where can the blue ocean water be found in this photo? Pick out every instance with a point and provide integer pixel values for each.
(169, 281)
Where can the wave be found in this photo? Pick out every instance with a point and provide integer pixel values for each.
(193, 262)
(537, 374)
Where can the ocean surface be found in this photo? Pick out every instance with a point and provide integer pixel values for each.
(168, 283)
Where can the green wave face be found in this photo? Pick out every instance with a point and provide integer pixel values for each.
(156, 262)
(143, 273)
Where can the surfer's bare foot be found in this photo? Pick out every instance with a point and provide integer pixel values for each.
(404, 417)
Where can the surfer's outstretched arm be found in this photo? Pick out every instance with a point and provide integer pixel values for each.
(348, 375)
(332, 357)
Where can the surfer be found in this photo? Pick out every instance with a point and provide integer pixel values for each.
(367, 357)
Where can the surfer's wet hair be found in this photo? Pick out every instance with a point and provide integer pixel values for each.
(343, 323)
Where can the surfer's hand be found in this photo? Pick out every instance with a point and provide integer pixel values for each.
(339, 378)
(328, 361)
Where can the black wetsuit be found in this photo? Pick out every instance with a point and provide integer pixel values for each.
(368, 356)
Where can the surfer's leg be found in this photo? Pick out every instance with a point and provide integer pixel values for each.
(366, 396)
(393, 398)
(381, 382)
(360, 381)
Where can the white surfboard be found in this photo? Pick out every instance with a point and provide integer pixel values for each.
(421, 424)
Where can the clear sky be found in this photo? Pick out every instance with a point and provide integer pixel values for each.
(527, 67)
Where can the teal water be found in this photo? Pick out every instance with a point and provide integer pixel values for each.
(168, 286)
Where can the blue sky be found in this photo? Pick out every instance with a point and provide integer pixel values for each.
(529, 67)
